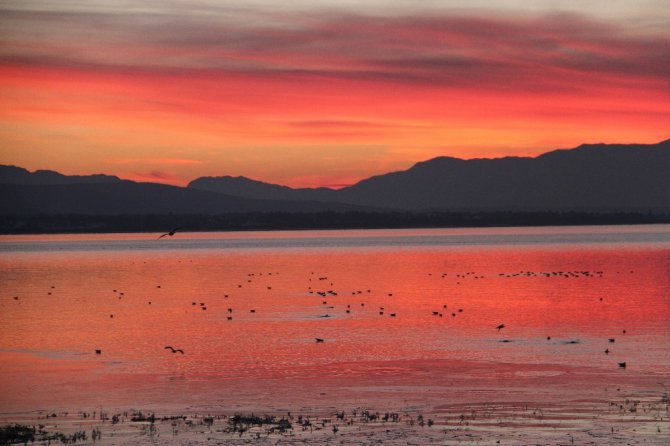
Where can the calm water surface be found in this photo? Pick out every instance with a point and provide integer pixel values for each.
(130, 295)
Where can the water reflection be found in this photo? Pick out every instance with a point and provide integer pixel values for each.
(448, 303)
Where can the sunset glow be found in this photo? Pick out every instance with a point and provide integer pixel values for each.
(307, 96)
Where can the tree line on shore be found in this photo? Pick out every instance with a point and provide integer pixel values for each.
(257, 221)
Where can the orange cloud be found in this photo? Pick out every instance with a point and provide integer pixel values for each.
(154, 161)
(282, 96)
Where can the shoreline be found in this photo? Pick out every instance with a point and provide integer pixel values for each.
(631, 418)
(484, 408)
(287, 221)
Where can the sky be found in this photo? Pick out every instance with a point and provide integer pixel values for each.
(307, 93)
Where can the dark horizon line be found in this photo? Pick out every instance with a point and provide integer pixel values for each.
(326, 220)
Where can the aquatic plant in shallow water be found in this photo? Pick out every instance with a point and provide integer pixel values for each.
(242, 423)
(17, 434)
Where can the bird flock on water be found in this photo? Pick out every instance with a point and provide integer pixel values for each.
(322, 286)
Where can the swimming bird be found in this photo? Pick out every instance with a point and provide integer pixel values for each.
(500, 327)
(319, 340)
(98, 351)
(171, 233)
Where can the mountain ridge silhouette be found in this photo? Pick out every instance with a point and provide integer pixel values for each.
(587, 178)
(590, 177)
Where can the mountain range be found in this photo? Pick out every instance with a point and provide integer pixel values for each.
(588, 178)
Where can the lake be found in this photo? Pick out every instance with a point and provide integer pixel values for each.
(409, 319)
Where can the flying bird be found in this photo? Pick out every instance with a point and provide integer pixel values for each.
(622, 365)
(174, 350)
(500, 327)
(171, 233)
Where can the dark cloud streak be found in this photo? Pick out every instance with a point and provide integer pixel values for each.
(554, 53)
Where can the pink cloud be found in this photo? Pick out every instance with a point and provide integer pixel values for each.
(546, 54)
(156, 176)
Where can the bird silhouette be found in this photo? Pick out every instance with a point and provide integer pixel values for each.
(174, 350)
(622, 365)
(500, 327)
(171, 233)
(319, 340)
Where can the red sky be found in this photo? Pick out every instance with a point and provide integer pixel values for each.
(306, 96)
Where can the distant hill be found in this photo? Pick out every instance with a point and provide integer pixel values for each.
(130, 198)
(19, 175)
(596, 177)
(248, 188)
